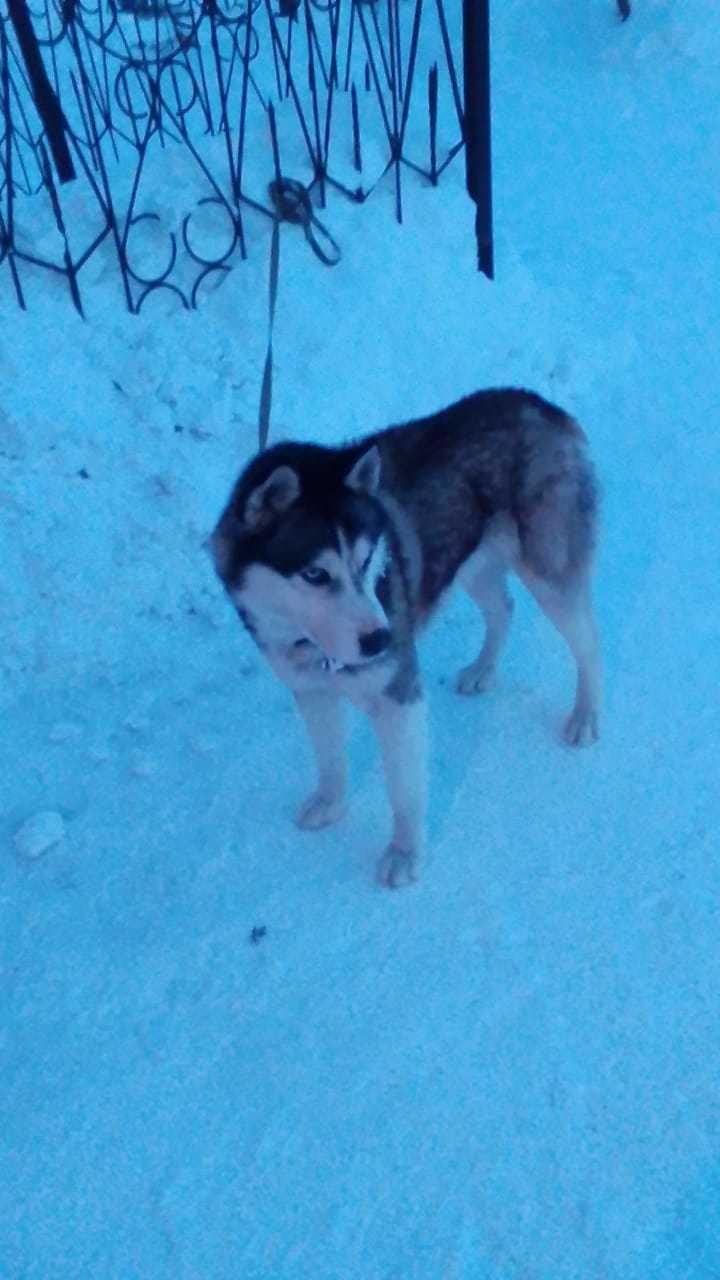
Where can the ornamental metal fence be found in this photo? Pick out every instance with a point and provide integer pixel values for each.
(156, 139)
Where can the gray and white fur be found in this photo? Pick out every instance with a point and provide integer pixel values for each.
(335, 558)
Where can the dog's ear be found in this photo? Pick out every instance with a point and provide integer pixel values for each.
(364, 477)
(272, 497)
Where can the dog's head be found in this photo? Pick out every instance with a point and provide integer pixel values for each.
(301, 550)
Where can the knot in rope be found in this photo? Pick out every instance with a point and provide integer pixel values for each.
(293, 204)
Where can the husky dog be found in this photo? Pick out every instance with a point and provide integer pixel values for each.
(335, 558)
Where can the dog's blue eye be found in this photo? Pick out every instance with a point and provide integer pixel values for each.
(315, 576)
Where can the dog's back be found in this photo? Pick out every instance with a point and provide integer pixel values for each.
(496, 453)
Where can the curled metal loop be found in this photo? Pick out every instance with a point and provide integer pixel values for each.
(155, 288)
(138, 70)
(217, 266)
(163, 275)
(221, 258)
(182, 108)
(240, 38)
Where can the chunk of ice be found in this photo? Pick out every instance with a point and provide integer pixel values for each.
(39, 833)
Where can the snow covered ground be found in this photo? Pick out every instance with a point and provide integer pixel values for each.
(510, 1071)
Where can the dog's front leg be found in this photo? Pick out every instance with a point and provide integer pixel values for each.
(322, 714)
(402, 733)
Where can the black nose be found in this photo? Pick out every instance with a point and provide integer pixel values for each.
(374, 642)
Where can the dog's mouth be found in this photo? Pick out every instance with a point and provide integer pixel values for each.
(333, 665)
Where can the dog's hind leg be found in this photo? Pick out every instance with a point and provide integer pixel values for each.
(322, 714)
(487, 586)
(569, 608)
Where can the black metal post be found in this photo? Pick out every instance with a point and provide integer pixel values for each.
(478, 157)
(48, 107)
(432, 110)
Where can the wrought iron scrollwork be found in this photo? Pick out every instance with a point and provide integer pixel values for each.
(222, 93)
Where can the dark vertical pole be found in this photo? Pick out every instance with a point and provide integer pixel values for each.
(357, 154)
(44, 96)
(432, 108)
(318, 158)
(478, 158)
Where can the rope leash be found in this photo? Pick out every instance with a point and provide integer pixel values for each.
(292, 204)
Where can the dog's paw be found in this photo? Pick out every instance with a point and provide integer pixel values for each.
(581, 728)
(477, 678)
(396, 867)
(320, 810)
